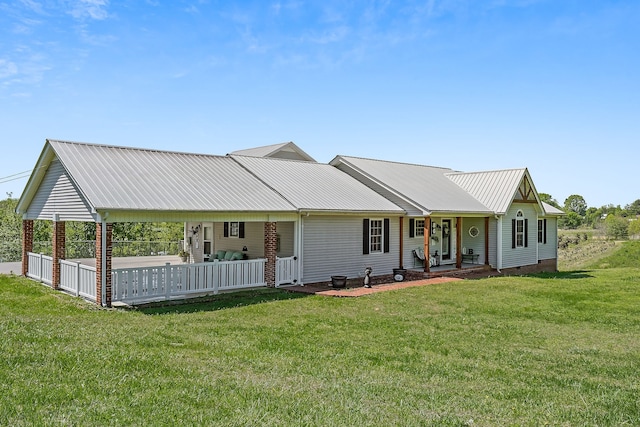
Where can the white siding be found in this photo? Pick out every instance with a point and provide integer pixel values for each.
(333, 246)
(520, 256)
(57, 194)
(550, 249)
(475, 243)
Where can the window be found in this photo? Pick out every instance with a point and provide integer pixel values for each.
(418, 227)
(542, 231)
(375, 236)
(234, 229)
(519, 230)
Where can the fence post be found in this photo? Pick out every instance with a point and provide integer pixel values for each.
(216, 272)
(167, 281)
(78, 279)
(41, 267)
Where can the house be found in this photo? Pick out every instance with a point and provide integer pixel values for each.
(282, 217)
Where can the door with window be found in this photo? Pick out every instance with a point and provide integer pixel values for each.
(446, 239)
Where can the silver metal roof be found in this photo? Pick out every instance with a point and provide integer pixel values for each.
(287, 150)
(138, 179)
(495, 189)
(316, 186)
(427, 187)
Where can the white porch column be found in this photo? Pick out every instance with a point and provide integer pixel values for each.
(499, 244)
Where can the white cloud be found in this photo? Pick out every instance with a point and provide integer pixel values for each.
(7, 69)
(94, 9)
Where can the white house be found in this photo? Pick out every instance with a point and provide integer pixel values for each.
(272, 215)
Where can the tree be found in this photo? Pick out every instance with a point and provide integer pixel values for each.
(634, 228)
(571, 220)
(576, 203)
(616, 227)
(547, 198)
(633, 208)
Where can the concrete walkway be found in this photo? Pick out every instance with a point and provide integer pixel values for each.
(123, 262)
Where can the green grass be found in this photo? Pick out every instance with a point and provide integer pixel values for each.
(551, 349)
(627, 254)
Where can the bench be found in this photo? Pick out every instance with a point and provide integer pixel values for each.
(473, 258)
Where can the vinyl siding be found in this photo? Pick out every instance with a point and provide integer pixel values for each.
(520, 256)
(333, 246)
(493, 242)
(58, 194)
(550, 249)
(475, 243)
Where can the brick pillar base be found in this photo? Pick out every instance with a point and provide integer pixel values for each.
(270, 246)
(27, 244)
(103, 269)
(59, 245)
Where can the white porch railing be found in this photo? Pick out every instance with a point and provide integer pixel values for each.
(143, 284)
(40, 268)
(78, 279)
(286, 270)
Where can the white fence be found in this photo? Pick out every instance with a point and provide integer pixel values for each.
(78, 279)
(40, 268)
(286, 270)
(143, 284)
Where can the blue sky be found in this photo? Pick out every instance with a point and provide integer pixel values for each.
(553, 85)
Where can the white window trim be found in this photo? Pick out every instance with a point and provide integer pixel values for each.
(519, 234)
(234, 229)
(372, 235)
(418, 230)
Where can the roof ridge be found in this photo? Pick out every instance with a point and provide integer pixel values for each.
(486, 171)
(122, 147)
(394, 162)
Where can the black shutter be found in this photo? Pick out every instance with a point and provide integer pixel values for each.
(526, 233)
(513, 234)
(241, 230)
(386, 235)
(544, 232)
(226, 229)
(365, 236)
(412, 224)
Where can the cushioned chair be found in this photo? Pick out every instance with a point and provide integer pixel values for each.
(418, 257)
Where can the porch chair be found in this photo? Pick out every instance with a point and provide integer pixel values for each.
(418, 256)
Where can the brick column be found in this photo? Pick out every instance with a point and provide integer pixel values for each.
(103, 269)
(270, 243)
(59, 245)
(27, 244)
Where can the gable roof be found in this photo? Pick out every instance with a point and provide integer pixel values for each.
(113, 178)
(495, 189)
(427, 188)
(317, 186)
(285, 150)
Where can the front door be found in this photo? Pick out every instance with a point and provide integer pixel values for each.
(446, 239)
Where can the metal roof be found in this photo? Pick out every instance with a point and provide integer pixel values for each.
(316, 186)
(427, 187)
(283, 150)
(112, 177)
(552, 210)
(495, 189)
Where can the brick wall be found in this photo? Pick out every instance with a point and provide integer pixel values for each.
(106, 268)
(27, 244)
(270, 246)
(59, 245)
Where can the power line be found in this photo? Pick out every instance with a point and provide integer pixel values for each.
(15, 176)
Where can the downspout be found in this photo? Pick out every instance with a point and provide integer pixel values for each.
(499, 243)
(300, 248)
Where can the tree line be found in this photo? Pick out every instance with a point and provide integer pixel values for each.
(614, 222)
(130, 238)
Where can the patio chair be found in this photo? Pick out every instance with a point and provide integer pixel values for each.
(418, 256)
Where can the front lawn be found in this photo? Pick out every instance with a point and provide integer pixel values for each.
(561, 350)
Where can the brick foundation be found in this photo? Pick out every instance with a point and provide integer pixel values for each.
(27, 244)
(270, 247)
(106, 268)
(59, 246)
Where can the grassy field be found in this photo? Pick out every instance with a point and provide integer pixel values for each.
(544, 350)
